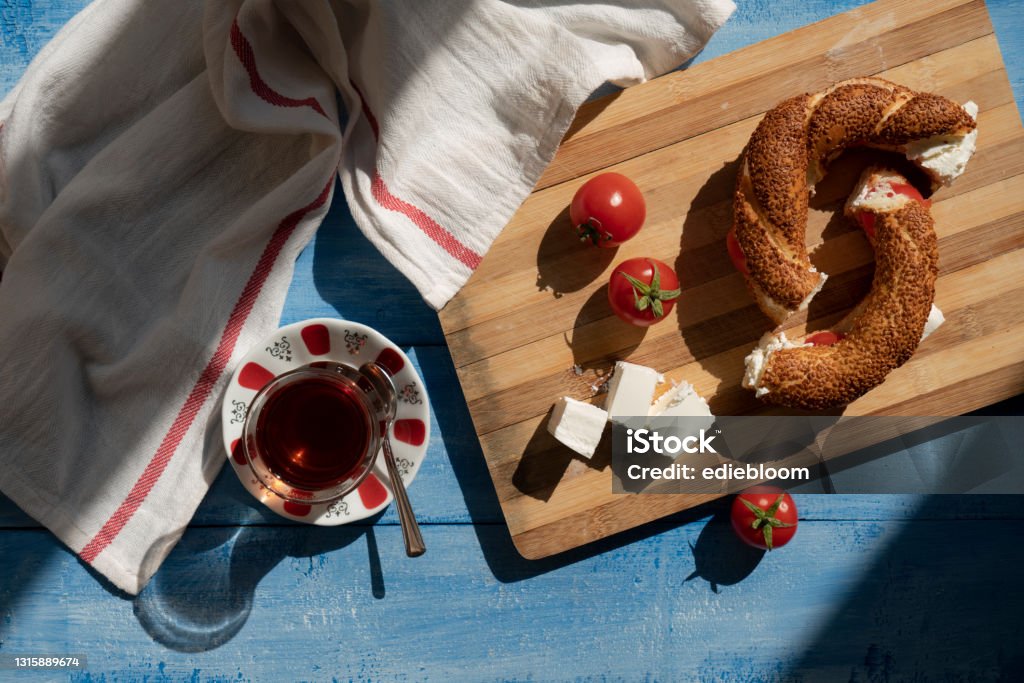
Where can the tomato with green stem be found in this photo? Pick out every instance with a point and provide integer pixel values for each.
(643, 291)
(764, 517)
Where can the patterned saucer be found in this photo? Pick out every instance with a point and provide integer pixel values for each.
(343, 342)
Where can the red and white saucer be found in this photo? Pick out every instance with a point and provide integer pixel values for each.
(345, 342)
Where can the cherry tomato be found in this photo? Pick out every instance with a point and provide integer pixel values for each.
(608, 209)
(867, 221)
(735, 253)
(824, 338)
(910, 191)
(642, 291)
(764, 517)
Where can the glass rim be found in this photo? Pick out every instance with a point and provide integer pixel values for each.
(288, 491)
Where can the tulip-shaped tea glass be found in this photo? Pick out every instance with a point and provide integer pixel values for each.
(312, 435)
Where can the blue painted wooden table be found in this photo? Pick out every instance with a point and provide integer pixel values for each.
(873, 588)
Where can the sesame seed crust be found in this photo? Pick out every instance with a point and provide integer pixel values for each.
(923, 117)
(888, 324)
(846, 116)
(776, 170)
(794, 141)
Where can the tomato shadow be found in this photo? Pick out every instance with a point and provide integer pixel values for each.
(595, 330)
(564, 264)
(719, 556)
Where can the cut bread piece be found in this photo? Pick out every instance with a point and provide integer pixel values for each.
(790, 150)
(884, 330)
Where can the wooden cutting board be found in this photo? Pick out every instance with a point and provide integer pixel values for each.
(537, 304)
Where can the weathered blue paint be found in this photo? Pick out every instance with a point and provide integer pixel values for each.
(873, 587)
(850, 599)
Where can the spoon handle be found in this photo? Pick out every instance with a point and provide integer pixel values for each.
(414, 546)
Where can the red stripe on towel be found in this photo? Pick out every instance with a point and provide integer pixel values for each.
(246, 55)
(428, 225)
(206, 382)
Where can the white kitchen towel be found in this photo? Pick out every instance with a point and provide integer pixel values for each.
(162, 163)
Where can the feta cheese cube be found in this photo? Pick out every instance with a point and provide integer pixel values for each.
(578, 425)
(681, 412)
(681, 400)
(630, 390)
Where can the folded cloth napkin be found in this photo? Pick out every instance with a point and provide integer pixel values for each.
(163, 163)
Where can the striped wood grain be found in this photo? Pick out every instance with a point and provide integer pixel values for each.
(535, 307)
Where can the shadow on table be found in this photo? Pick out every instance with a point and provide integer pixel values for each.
(357, 281)
(719, 556)
(23, 562)
(941, 602)
(203, 593)
(470, 468)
